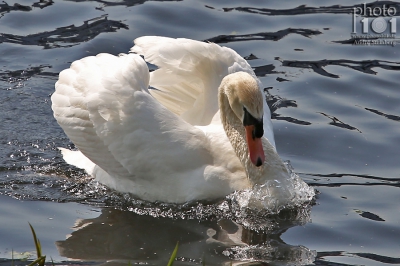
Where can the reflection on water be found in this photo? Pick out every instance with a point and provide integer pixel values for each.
(337, 123)
(272, 36)
(125, 3)
(5, 8)
(121, 235)
(388, 116)
(67, 36)
(337, 180)
(362, 66)
(17, 78)
(323, 257)
(305, 9)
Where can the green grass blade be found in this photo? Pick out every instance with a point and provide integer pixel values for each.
(37, 242)
(12, 257)
(40, 261)
(43, 261)
(173, 255)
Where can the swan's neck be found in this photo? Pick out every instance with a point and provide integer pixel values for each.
(272, 168)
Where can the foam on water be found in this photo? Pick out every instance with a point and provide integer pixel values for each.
(252, 208)
(295, 193)
(273, 253)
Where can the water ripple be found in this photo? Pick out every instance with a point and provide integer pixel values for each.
(304, 9)
(265, 70)
(337, 123)
(327, 180)
(365, 66)
(388, 116)
(16, 78)
(67, 36)
(6, 8)
(126, 3)
(276, 102)
(320, 258)
(270, 36)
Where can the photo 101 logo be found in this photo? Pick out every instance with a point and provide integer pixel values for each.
(374, 25)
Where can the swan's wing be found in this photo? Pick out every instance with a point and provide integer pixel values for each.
(189, 74)
(103, 105)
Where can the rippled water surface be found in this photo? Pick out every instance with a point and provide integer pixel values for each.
(335, 109)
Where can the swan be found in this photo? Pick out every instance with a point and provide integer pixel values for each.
(196, 128)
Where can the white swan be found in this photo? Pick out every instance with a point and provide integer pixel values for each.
(201, 132)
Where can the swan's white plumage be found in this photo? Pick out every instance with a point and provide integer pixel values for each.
(189, 75)
(138, 145)
(166, 144)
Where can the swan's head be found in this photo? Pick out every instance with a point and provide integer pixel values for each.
(246, 101)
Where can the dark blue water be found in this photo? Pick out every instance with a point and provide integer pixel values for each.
(336, 114)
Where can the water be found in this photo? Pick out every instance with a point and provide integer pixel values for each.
(336, 116)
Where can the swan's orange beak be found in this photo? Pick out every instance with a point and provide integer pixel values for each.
(256, 150)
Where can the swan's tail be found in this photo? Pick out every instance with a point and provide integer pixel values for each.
(76, 158)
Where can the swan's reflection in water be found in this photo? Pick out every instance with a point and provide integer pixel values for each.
(121, 235)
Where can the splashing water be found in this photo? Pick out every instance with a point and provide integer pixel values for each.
(273, 252)
(253, 208)
(296, 193)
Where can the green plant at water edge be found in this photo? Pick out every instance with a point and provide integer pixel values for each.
(173, 255)
(40, 261)
(40, 258)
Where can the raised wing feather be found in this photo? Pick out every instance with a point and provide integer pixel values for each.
(103, 105)
(189, 75)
